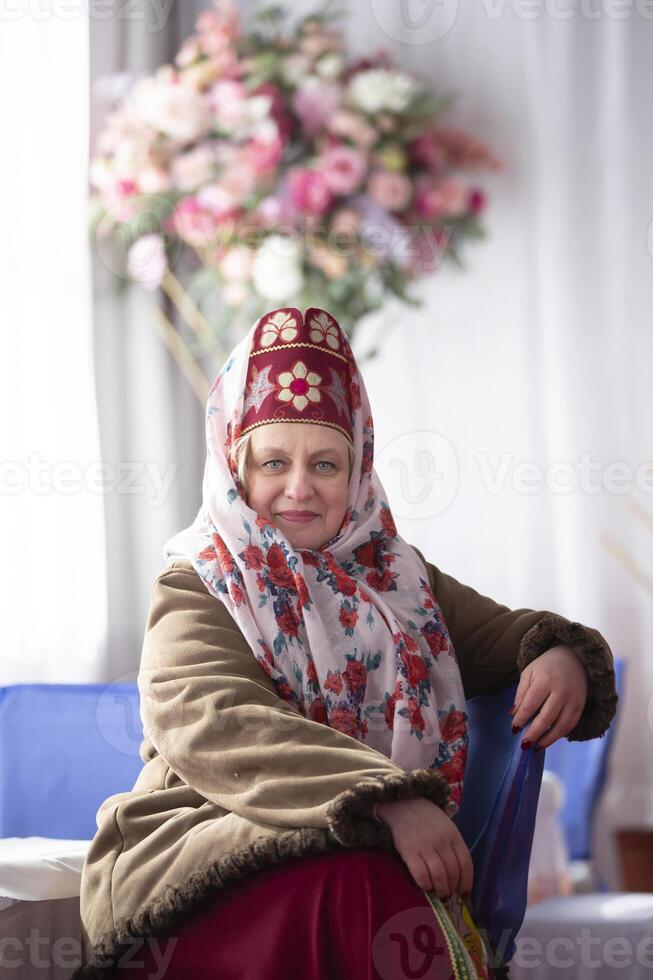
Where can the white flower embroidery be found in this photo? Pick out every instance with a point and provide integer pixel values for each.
(299, 386)
(324, 330)
(281, 326)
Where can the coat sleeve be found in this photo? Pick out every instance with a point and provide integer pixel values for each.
(494, 644)
(216, 718)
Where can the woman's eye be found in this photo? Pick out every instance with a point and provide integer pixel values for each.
(270, 462)
(325, 462)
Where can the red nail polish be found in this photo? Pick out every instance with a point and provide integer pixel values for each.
(512, 710)
(515, 729)
(526, 744)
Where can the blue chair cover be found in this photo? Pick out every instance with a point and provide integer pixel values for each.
(65, 748)
(497, 816)
(582, 767)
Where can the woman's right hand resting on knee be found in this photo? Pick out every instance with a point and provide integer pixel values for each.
(430, 845)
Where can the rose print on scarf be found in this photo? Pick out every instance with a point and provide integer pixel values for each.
(350, 634)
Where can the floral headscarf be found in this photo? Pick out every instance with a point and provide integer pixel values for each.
(351, 634)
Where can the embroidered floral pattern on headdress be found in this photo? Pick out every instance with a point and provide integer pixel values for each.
(299, 386)
(351, 633)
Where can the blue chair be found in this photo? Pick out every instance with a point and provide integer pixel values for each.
(497, 817)
(79, 744)
(64, 748)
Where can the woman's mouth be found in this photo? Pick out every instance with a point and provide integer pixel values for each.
(298, 516)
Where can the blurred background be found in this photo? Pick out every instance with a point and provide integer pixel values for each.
(171, 170)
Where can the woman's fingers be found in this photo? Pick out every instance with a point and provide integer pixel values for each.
(548, 716)
(466, 866)
(566, 721)
(429, 877)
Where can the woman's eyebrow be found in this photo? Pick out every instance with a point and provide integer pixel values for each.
(283, 452)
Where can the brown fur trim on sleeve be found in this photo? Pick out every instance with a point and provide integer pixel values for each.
(595, 656)
(347, 809)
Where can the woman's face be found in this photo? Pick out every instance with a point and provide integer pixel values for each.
(299, 467)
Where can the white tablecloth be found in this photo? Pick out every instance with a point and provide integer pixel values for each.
(586, 937)
(39, 907)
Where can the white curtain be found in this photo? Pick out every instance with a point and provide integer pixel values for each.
(540, 354)
(53, 574)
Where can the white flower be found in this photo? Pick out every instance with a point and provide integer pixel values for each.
(277, 269)
(174, 109)
(281, 326)
(378, 90)
(299, 386)
(329, 66)
(147, 262)
(190, 170)
(323, 330)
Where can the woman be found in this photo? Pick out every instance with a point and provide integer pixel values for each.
(303, 681)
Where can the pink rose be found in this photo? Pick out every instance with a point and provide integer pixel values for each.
(314, 103)
(434, 199)
(309, 191)
(193, 223)
(343, 168)
(391, 191)
(264, 156)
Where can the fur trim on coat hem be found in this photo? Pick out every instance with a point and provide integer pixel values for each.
(595, 656)
(351, 825)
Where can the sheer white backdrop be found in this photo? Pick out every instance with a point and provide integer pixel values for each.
(540, 354)
(53, 573)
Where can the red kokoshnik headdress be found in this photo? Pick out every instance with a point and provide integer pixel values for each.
(350, 633)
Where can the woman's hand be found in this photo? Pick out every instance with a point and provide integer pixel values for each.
(430, 845)
(555, 686)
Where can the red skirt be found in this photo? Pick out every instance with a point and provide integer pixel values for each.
(345, 915)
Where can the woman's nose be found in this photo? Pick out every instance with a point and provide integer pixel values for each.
(299, 486)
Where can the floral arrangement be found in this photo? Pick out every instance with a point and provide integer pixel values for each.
(285, 173)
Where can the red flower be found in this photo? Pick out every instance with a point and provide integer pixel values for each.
(236, 594)
(262, 521)
(253, 557)
(227, 563)
(346, 585)
(390, 706)
(370, 554)
(333, 682)
(417, 669)
(382, 583)
(288, 622)
(436, 641)
(387, 522)
(363, 595)
(310, 559)
(311, 673)
(345, 721)
(410, 641)
(453, 727)
(302, 591)
(415, 714)
(280, 573)
(260, 582)
(355, 675)
(454, 769)
(348, 617)
(208, 554)
(317, 711)
(429, 601)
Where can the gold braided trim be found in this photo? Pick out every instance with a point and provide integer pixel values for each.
(331, 425)
(326, 350)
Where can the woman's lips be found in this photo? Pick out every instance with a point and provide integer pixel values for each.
(297, 516)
